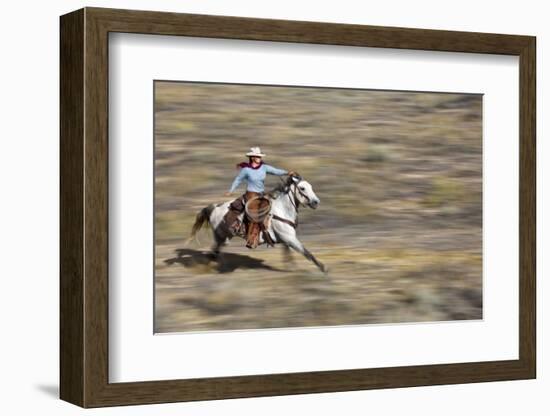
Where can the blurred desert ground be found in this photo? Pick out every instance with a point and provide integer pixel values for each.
(399, 225)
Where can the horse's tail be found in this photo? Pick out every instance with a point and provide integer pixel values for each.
(202, 218)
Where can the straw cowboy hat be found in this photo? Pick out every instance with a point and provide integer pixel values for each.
(255, 151)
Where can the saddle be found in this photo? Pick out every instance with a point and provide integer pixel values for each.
(256, 221)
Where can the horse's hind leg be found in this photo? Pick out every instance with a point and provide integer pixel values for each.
(219, 242)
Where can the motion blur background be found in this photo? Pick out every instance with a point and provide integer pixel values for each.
(399, 225)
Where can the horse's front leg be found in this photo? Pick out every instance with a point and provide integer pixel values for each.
(287, 255)
(299, 247)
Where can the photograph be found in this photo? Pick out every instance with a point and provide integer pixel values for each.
(283, 206)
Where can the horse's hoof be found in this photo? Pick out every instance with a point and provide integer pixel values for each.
(324, 269)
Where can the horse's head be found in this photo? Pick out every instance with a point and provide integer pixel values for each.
(304, 192)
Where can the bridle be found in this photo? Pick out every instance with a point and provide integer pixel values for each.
(294, 201)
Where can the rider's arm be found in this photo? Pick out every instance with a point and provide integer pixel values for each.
(274, 171)
(237, 181)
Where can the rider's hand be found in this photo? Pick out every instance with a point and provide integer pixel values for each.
(227, 193)
(292, 173)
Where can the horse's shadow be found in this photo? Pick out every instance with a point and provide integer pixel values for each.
(227, 263)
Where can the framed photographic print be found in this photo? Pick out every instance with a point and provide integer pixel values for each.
(255, 207)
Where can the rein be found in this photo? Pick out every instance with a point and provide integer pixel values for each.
(295, 203)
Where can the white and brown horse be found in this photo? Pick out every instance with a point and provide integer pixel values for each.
(288, 197)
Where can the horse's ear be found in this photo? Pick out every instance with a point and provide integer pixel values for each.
(296, 179)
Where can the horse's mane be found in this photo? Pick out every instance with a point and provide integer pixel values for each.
(281, 187)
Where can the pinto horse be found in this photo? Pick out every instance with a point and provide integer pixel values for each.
(287, 198)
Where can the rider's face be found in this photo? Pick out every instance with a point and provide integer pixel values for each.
(256, 160)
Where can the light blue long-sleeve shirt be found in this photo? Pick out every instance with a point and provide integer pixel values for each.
(255, 177)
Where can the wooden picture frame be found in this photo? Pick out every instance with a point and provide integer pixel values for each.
(84, 207)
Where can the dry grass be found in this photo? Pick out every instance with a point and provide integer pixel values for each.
(399, 226)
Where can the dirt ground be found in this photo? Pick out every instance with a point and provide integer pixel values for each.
(400, 220)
